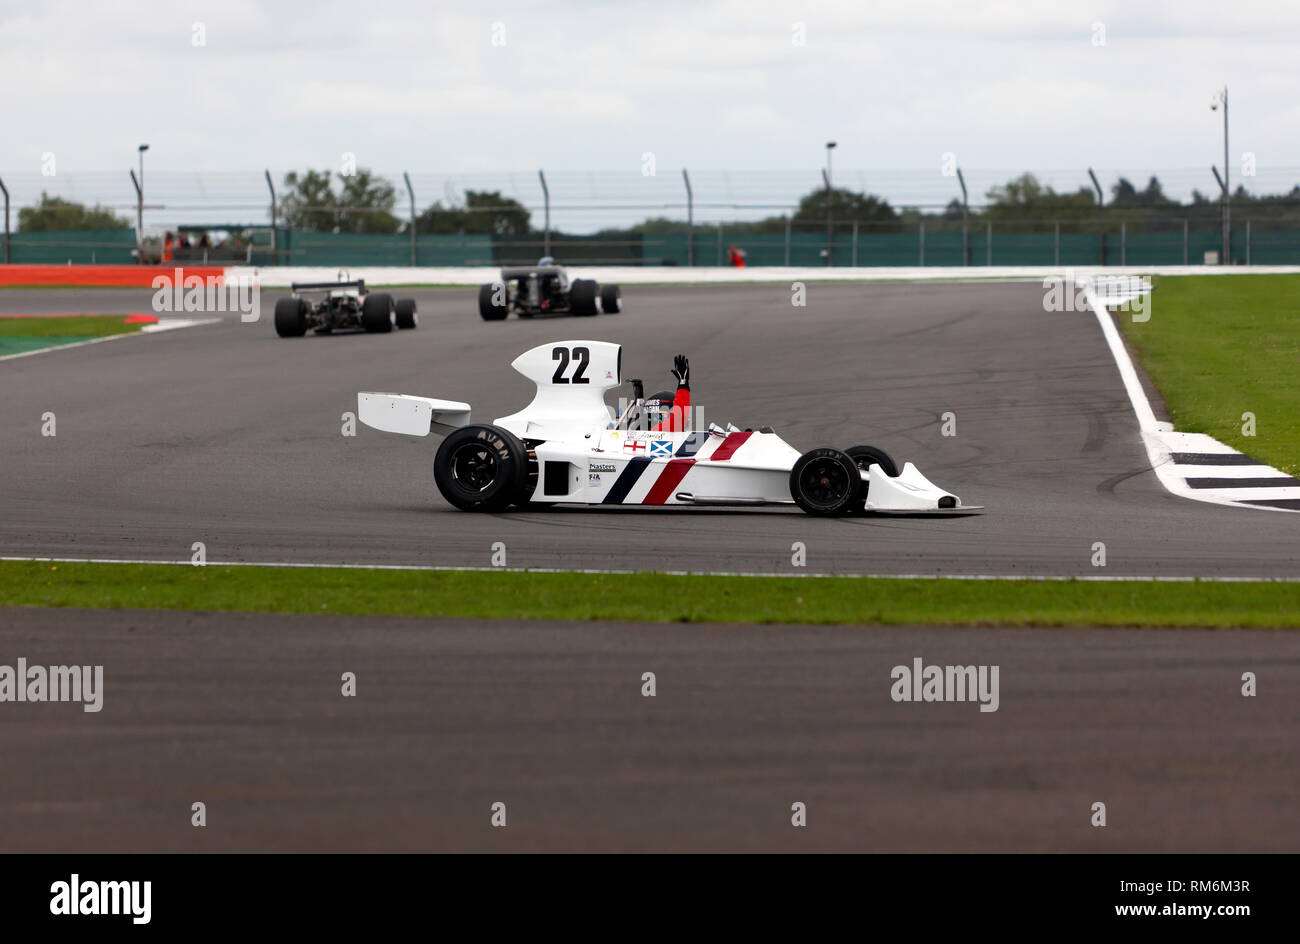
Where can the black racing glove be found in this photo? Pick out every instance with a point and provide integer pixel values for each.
(682, 371)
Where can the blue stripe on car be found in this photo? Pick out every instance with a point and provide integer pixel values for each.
(626, 480)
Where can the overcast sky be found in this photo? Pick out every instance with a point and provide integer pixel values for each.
(709, 84)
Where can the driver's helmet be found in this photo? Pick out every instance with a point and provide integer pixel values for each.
(658, 408)
(546, 261)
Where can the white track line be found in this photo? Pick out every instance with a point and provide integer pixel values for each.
(430, 568)
(1162, 440)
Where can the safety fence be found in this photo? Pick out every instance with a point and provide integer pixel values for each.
(842, 243)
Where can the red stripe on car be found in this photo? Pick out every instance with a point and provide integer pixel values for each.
(729, 446)
(674, 471)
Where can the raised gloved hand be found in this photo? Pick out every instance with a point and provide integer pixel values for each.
(682, 371)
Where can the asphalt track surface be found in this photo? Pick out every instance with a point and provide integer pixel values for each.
(230, 436)
(243, 712)
(227, 435)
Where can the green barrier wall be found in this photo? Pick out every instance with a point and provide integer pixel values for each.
(942, 247)
(103, 247)
(295, 247)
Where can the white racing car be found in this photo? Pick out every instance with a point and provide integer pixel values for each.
(569, 447)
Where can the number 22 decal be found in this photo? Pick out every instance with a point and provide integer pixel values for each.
(583, 358)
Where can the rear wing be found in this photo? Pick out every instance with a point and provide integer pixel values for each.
(358, 284)
(411, 416)
(523, 272)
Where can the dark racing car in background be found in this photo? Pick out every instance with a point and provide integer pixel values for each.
(338, 306)
(545, 289)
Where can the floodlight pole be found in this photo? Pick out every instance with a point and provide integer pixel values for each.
(830, 202)
(139, 216)
(139, 204)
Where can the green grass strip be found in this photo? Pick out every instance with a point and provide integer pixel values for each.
(1220, 346)
(649, 597)
(66, 326)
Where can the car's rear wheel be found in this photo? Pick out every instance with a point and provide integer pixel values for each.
(291, 317)
(377, 312)
(582, 297)
(611, 300)
(492, 303)
(826, 482)
(481, 468)
(407, 317)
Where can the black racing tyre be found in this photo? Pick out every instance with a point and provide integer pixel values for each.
(407, 317)
(487, 306)
(582, 297)
(865, 455)
(291, 317)
(377, 312)
(611, 300)
(481, 468)
(826, 482)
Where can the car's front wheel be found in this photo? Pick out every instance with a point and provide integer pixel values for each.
(407, 317)
(611, 299)
(864, 457)
(582, 297)
(493, 304)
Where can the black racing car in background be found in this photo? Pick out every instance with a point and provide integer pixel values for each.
(342, 305)
(545, 289)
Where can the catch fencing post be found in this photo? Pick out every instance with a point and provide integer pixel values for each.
(411, 193)
(270, 186)
(1184, 242)
(690, 219)
(1123, 242)
(855, 245)
(1101, 224)
(6, 193)
(965, 220)
(719, 245)
(787, 242)
(546, 196)
(1056, 243)
(923, 243)
(1248, 242)
(988, 249)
